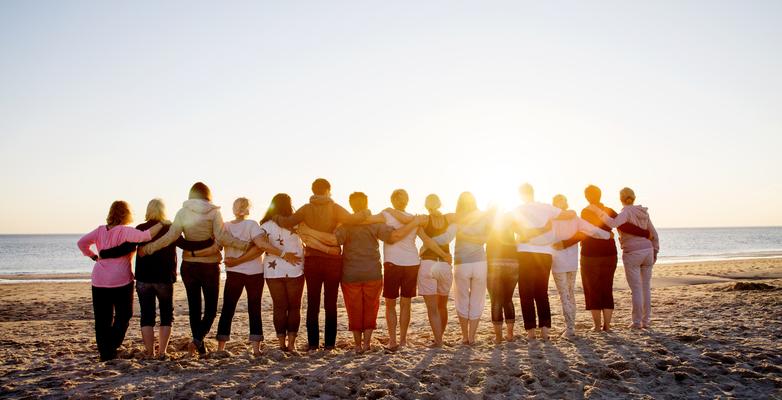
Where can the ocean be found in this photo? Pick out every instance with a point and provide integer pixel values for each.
(58, 254)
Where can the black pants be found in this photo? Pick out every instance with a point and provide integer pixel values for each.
(235, 282)
(198, 278)
(597, 278)
(286, 297)
(322, 273)
(112, 308)
(534, 272)
(501, 278)
(148, 294)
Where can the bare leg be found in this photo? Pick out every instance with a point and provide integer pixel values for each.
(357, 342)
(256, 345)
(473, 329)
(497, 332)
(404, 320)
(148, 334)
(220, 345)
(165, 335)
(292, 342)
(607, 315)
(281, 342)
(442, 305)
(531, 334)
(596, 319)
(432, 310)
(464, 325)
(367, 339)
(509, 330)
(391, 322)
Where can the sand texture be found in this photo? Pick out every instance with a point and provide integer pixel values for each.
(708, 340)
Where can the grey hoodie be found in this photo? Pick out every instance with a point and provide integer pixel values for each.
(638, 216)
(199, 220)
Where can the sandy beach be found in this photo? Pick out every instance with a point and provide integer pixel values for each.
(710, 338)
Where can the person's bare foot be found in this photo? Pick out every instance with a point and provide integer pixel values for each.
(531, 334)
(634, 326)
(435, 345)
(358, 349)
(256, 353)
(596, 329)
(403, 343)
(192, 348)
(497, 339)
(392, 348)
(606, 328)
(510, 338)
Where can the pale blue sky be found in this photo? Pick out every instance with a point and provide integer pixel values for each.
(680, 100)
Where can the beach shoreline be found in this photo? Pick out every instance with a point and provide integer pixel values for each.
(707, 340)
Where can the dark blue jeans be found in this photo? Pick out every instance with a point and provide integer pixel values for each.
(201, 278)
(322, 273)
(235, 283)
(148, 294)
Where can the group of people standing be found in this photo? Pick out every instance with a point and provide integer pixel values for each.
(328, 248)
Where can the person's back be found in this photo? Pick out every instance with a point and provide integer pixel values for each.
(159, 267)
(434, 229)
(361, 251)
(592, 247)
(638, 216)
(244, 230)
(466, 251)
(403, 252)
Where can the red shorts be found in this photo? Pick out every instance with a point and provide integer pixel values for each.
(362, 301)
(399, 280)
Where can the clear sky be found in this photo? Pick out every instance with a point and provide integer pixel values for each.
(680, 100)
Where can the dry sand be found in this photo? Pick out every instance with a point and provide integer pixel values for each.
(707, 341)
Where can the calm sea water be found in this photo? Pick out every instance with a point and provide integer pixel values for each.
(47, 254)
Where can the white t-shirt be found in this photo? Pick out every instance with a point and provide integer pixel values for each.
(284, 240)
(403, 252)
(566, 260)
(536, 215)
(245, 230)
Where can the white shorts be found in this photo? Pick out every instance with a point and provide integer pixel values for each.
(428, 285)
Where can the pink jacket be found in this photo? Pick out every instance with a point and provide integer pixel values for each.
(112, 272)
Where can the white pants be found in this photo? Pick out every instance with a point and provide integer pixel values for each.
(566, 284)
(429, 285)
(470, 284)
(638, 270)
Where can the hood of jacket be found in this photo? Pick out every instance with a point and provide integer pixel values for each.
(320, 200)
(199, 206)
(637, 215)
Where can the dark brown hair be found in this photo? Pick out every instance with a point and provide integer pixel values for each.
(320, 186)
(199, 190)
(119, 214)
(358, 201)
(280, 205)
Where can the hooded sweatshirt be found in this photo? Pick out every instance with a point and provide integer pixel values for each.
(198, 220)
(638, 216)
(321, 214)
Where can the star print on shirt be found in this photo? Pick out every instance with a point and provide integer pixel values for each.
(280, 241)
(273, 264)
